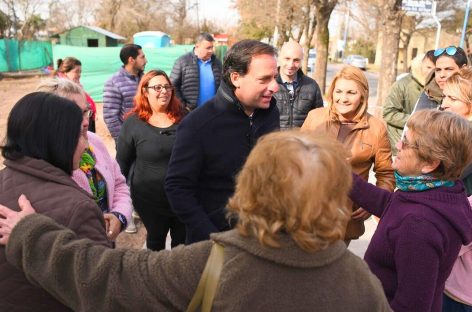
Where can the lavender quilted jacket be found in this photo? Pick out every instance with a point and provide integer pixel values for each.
(118, 95)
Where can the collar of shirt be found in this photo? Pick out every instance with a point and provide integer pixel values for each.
(293, 83)
(200, 61)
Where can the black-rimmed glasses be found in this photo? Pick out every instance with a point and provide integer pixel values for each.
(158, 88)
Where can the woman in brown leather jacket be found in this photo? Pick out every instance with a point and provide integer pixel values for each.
(364, 136)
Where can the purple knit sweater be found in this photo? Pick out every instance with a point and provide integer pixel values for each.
(416, 242)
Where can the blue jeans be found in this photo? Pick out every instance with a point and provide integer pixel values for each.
(450, 305)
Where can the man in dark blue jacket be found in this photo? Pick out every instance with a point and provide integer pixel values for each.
(214, 140)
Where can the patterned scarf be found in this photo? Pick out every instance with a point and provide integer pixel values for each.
(419, 183)
(96, 181)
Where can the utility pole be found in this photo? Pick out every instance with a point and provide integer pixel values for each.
(438, 22)
(464, 27)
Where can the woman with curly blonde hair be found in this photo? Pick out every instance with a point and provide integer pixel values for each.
(285, 254)
(365, 137)
(274, 193)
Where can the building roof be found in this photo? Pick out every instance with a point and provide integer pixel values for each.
(221, 37)
(151, 33)
(105, 32)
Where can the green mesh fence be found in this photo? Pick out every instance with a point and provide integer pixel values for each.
(98, 64)
(24, 55)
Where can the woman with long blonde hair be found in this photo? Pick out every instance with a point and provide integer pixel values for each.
(365, 137)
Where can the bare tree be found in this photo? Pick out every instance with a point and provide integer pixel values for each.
(259, 19)
(132, 16)
(179, 7)
(309, 20)
(324, 8)
(20, 11)
(391, 19)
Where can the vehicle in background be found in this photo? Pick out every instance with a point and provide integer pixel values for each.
(357, 61)
(311, 60)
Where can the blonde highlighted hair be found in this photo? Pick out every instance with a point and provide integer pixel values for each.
(295, 183)
(443, 136)
(460, 84)
(358, 76)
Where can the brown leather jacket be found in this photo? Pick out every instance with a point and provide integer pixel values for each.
(367, 143)
(52, 193)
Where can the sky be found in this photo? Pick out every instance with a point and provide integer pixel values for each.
(218, 11)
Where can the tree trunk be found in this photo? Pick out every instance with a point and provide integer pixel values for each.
(378, 49)
(323, 8)
(309, 30)
(322, 43)
(391, 39)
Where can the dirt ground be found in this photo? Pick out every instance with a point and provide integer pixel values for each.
(11, 90)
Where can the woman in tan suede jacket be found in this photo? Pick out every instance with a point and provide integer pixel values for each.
(364, 136)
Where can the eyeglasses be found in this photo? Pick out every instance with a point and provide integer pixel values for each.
(449, 51)
(158, 88)
(404, 143)
(87, 114)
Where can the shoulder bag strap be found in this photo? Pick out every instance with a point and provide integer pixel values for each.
(206, 289)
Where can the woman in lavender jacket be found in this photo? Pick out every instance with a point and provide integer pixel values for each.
(99, 174)
(427, 220)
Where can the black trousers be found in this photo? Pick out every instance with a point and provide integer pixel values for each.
(157, 227)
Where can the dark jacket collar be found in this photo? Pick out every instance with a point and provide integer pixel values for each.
(226, 96)
(300, 76)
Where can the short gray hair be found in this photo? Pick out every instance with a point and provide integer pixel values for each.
(204, 37)
(61, 87)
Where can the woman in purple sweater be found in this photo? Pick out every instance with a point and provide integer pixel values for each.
(425, 222)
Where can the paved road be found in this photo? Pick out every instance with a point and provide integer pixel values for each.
(372, 78)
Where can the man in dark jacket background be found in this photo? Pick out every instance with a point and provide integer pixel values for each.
(214, 140)
(196, 75)
(298, 94)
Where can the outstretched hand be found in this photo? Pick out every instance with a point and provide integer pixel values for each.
(9, 218)
(360, 215)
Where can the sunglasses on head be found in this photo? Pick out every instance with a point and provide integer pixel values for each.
(449, 51)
